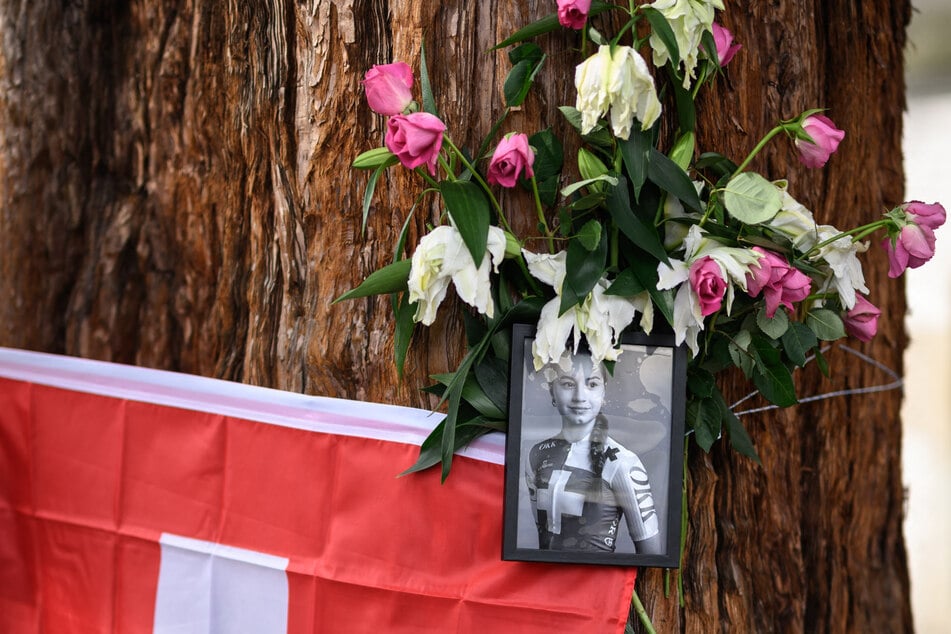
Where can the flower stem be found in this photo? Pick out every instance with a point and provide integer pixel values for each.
(426, 177)
(858, 233)
(541, 216)
(642, 613)
(759, 146)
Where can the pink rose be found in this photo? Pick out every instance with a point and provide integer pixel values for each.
(388, 88)
(923, 215)
(826, 136)
(723, 39)
(706, 279)
(572, 14)
(780, 283)
(862, 321)
(512, 158)
(909, 249)
(415, 139)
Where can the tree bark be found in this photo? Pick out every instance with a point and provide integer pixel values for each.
(176, 193)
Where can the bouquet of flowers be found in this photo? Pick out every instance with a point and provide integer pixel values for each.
(655, 234)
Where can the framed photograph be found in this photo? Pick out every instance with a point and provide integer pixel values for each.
(594, 455)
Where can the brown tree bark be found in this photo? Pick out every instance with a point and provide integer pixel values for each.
(176, 194)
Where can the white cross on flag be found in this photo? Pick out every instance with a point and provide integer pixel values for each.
(134, 500)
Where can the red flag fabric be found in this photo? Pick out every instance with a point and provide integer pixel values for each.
(134, 500)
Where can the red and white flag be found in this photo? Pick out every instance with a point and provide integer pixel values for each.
(134, 500)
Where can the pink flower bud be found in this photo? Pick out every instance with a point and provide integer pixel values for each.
(723, 39)
(923, 215)
(909, 249)
(572, 14)
(707, 281)
(862, 321)
(388, 88)
(826, 139)
(415, 139)
(780, 283)
(512, 158)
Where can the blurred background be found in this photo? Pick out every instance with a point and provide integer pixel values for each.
(926, 412)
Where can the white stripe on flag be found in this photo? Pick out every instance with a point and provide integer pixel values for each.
(314, 413)
(208, 588)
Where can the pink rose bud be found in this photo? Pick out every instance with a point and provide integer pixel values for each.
(723, 39)
(826, 139)
(415, 139)
(389, 88)
(706, 279)
(862, 321)
(572, 14)
(780, 283)
(923, 215)
(909, 249)
(512, 158)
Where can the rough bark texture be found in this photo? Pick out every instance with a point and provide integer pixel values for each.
(176, 194)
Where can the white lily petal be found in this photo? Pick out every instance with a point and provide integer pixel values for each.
(551, 334)
(672, 275)
(546, 268)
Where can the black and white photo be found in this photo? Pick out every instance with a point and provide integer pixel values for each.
(594, 455)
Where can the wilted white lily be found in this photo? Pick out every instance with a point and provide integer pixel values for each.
(600, 317)
(734, 263)
(842, 258)
(619, 82)
(688, 19)
(443, 257)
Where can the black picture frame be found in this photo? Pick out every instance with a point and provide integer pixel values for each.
(643, 411)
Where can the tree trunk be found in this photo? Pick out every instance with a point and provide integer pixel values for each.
(176, 194)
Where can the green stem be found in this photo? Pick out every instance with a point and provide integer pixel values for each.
(684, 516)
(481, 181)
(429, 179)
(759, 146)
(449, 173)
(642, 613)
(495, 128)
(541, 216)
(857, 232)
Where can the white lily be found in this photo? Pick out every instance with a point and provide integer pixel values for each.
(442, 257)
(620, 82)
(842, 258)
(600, 317)
(734, 263)
(688, 20)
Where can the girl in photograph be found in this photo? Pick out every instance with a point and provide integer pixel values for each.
(581, 481)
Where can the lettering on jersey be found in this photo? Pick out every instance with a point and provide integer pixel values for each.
(642, 489)
(548, 444)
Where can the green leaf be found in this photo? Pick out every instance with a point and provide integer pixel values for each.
(700, 382)
(643, 275)
(710, 47)
(625, 284)
(390, 279)
(662, 29)
(590, 235)
(770, 376)
(588, 201)
(798, 341)
(774, 326)
(644, 236)
(822, 363)
(547, 24)
(470, 213)
(752, 199)
(738, 352)
(606, 178)
(739, 438)
(682, 152)
(720, 164)
(667, 175)
(368, 197)
(473, 394)
(429, 102)
(826, 325)
(686, 109)
(703, 416)
(378, 157)
(526, 61)
(403, 332)
(430, 452)
(583, 270)
(636, 152)
(549, 155)
(492, 373)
